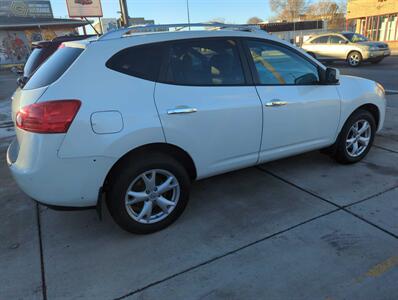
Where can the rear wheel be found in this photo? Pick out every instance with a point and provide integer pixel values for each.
(356, 138)
(354, 59)
(148, 193)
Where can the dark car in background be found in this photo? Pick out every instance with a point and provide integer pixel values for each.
(41, 51)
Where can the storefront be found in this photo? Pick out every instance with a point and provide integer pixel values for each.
(375, 19)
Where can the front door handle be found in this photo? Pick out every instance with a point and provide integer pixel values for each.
(275, 103)
(181, 110)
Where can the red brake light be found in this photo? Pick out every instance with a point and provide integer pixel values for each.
(62, 45)
(48, 117)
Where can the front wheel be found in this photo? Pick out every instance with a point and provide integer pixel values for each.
(356, 137)
(148, 193)
(354, 59)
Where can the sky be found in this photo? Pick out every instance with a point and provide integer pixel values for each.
(175, 11)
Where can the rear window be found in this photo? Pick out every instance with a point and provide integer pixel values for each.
(53, 67)
(139, 61)
(34, 60)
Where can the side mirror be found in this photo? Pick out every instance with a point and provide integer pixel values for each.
(332, 75)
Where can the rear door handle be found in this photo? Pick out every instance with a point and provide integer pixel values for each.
(275, 103)
(181, 110)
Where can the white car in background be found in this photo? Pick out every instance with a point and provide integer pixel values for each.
(139, 116)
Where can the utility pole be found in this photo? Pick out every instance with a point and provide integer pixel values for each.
(124, 13)
(189, 19)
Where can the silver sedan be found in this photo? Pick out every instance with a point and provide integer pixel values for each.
(351, 47)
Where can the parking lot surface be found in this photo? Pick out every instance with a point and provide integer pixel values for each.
(299, 228)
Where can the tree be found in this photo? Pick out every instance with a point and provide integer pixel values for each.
(288, 10)
(254, 20)
(328, 10)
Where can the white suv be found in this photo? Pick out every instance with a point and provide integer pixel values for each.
(139, 116)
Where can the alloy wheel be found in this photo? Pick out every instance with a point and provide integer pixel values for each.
(354, 59)
(152, 196)
(358, 138)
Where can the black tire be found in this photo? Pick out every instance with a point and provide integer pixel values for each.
(354, 59)
(340, 152)
(124, 175)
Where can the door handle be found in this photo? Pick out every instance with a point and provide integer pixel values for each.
(181, 110)
(275, 103)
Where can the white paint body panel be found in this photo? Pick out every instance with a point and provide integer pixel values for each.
(309, 120)
(224, 134)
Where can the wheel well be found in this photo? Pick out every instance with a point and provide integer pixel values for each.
(373, 110)
(177, 153)
(353, 51)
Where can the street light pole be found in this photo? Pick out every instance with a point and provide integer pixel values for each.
(124, 13)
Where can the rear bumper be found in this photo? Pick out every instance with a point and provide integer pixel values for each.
(53, 181)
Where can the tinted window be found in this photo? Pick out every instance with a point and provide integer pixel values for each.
(321, 40)
(139, 61)
(279, 65)
(204, 62)
(334, 39)
(53, 67)
(34, 60)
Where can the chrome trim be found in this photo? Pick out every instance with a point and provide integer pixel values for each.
(275, 103)
(181, 110)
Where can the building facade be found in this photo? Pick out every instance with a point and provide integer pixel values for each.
(25, 21)
(375, 19)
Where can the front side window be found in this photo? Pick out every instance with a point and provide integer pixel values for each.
(335, 39)
(204, 62)
(321, 40)
(277, 65)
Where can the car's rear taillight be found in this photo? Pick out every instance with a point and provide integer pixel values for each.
(48, 117)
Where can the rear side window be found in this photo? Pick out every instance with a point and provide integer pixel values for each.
(204, 62)
(53, 67)
(139, 61)
(321, 40)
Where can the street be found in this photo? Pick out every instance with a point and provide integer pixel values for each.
(298, 228)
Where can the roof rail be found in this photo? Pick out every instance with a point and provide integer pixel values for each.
(124, 32)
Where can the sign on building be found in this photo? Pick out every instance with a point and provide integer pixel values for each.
(84, 8)
(26, 8)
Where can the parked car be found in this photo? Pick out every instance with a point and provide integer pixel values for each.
(139, 117)
(347, 46)
(41, 51)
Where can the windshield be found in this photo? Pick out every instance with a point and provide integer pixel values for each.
(355, 37)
